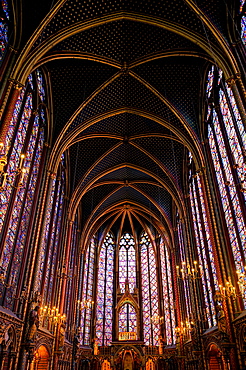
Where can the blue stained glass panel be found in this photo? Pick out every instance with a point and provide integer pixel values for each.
(104, 311)
(150, 299)
(4, 29)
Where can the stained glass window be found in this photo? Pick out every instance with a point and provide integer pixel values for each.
(71, 305)
(48, 255)
(14, 162)
(243, 21)
(44, 242)
(52, 240)
(87, 293)
(25, 140)
(127, 262)
(186, 305)
(227, 141)
(4, 20)
(127, 318)
(104, 311)
(204, 248)
(168, 299)
(150, 297)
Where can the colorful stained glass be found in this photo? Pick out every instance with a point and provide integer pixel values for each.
(52, 246)
(210, 81)
(168, 299)
(237, 116)
(236, 150)
(22, 211)
(187, 309)
(227, 138)
(127, 318)
(87, 292)
(202, 233)
(243, 22)
(127, 262)
(22, 175)
(40, 83)
(150, 299)
(73, 261)
(223, 174)
(104, 312)
(4, 20)
(44, 241)
(13, 165)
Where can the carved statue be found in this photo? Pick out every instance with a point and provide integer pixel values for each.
(61, 338)
(194, 337)
(137, 361)
(160, 345)
(75, 346)
(95, 347)
(178, 347)
(221, 319)
(33, 324)
(119, 361)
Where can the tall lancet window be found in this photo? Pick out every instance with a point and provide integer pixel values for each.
(150, 297)
(186, 302)
(127, 262)
(4, 20)
(104, 309)
(227, 142)
(243, 20)
(49, 252)
(127, 318)
(25, 140)
(87, 293)
(204, 245)
(168, 298)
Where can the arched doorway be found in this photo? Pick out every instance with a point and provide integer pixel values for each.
(41, 359)
(84, 365)
(128, 361)
(150, 365)
(106, 365)
(214, 358)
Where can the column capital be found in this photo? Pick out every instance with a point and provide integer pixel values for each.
(233, 79)
(16, 84)
(51, 174)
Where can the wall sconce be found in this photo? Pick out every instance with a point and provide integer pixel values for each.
(3, 162)
(85, 304)
(242, 281)
(21, 171)
(229, 291)
(3, 278)
(185, 327)
(52, 315)
(189, 271)
(156, 319)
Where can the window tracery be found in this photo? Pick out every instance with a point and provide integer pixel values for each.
(186, 305)
(150, 297)
(48, 258)
(25, 139)
(227, 142)
(204, 247)
(243, 21)
(127, 318)
(104, 310)
(87, 292)
(127, 262)
(168, 298)
(4, 20)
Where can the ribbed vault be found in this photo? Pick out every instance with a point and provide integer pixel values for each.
(126, 79)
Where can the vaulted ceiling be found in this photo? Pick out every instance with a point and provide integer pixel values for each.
(127, 81)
